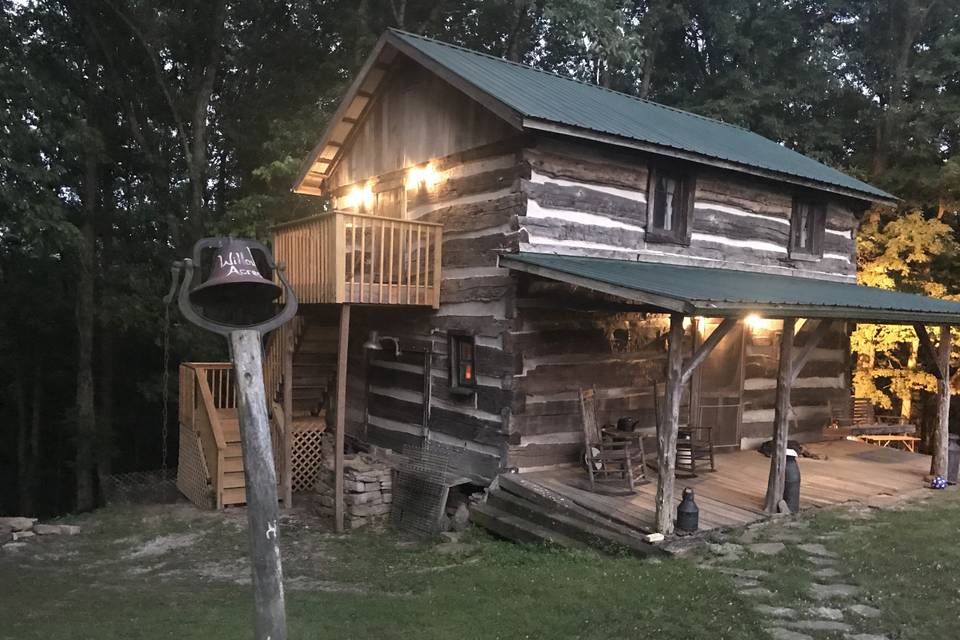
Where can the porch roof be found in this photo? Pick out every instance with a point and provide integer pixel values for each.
(714, 292)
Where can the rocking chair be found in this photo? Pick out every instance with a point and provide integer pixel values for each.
(608, 461)
(694, 444)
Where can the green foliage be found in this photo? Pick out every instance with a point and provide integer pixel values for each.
(907, 253)
(199, 126)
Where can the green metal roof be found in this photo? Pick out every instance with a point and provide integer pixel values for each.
(717, 292)
(543, 96)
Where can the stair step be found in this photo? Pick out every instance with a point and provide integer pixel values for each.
(233, 480)
(233, 465)
(319, 382)
(581, 530)
(519, 529)
(233, 450)
(233, 497)
(556, 503)
(308, 359)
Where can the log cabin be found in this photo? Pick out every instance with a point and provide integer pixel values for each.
(491, 239)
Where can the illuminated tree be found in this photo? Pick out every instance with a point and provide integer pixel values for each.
(908, 253)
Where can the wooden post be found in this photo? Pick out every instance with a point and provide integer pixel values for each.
(943, 404)
(785, 376)
(341, 415)
(668, 425)
(261, 487)
(288, 419)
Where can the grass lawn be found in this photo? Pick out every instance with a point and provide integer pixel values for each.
(175, 572)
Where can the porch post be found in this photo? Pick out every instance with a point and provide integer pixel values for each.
(943, 404)
(341, 415)
(667, 427)
(785, 377)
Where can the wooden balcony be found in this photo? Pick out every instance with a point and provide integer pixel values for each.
(353, 258)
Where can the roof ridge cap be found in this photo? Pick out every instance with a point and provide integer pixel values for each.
(569, 79)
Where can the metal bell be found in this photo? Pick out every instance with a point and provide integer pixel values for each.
(234, 277)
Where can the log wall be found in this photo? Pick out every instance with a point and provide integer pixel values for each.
(583, 202)
(566, 339)
(538, 342)
(477, 199)
(822, 386)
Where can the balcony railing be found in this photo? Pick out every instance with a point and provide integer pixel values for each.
(354, 258)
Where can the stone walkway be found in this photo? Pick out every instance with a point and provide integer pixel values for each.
(828, 604)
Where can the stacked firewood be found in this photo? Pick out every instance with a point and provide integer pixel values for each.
(367, 490)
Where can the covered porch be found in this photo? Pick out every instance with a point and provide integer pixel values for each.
(747, 485)
(733, 495)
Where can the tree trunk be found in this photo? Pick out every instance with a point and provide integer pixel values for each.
(667, 427)
(36, 422)
(649, 63)
(906, 22)
(520, 9)
(906, 401)
(198, 157)
(24, 471)
(105, 415)
(942, 439)
(778, 461)
(85, 418)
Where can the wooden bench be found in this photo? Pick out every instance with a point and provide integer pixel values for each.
(908, 443)
(858, 418)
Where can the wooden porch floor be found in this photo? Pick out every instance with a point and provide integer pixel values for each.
(732, 496)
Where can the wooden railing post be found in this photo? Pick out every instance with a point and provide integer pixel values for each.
(437, 265)
(339, 257)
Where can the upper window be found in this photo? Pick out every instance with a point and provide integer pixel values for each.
(463, 362)
(669, 205)
(807, 223)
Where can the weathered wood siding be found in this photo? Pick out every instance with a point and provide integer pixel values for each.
(478, 201)
(564, 340)
(824, 382)
(583, 202)
(415, 116)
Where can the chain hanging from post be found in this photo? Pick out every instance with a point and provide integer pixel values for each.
(165, 371)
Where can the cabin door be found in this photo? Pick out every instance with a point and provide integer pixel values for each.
(717, 385)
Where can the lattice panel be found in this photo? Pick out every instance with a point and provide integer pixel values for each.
(193, 479)
(305, 457)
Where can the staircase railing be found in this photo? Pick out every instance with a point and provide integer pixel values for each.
(206, 387)
(277, 374)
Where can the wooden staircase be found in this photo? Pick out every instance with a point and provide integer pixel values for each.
(233, 485)
(210, 472)
(523, 511)
(314, 370)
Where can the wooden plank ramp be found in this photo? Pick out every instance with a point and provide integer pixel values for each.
(530, 512)
(560, 501)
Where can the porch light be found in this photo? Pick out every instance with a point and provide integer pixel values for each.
(755, 322)
(373, 343)
(360, 197)
(422, 177)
